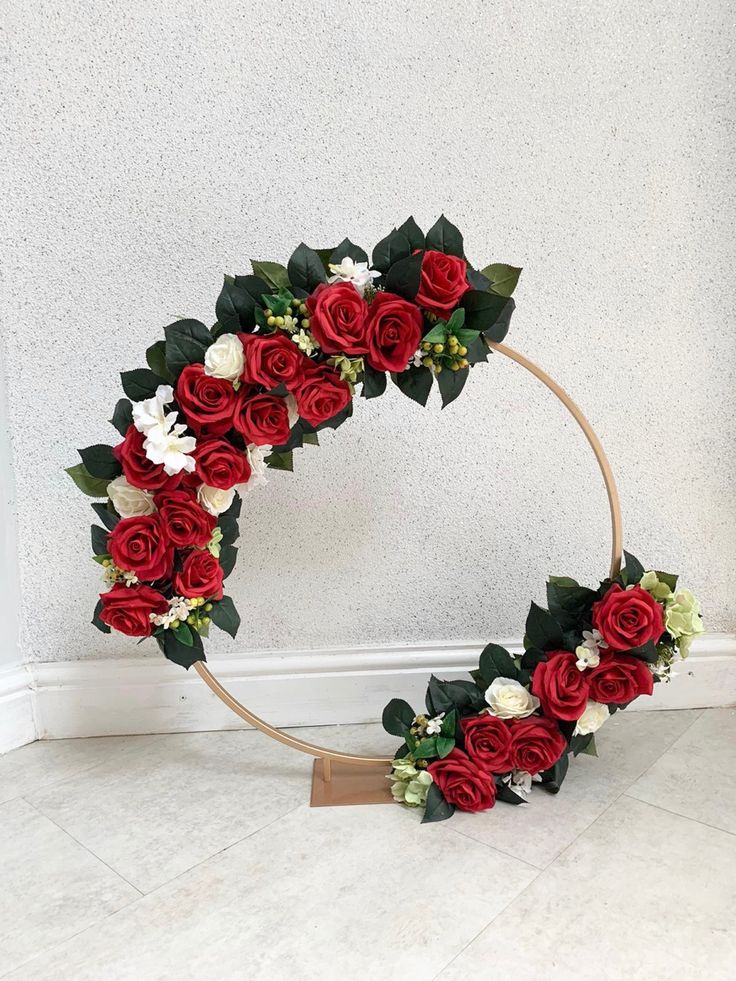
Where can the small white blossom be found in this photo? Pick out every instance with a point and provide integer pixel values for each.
(304, 341)
(179, 609)
(593, 640)
(257, 459)
(418, 357)
(586, 658)
(112, 574)
(356, 273)
(434, 726)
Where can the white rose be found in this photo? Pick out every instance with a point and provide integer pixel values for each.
(509, 699)
(129, 501)
(215, 500)
(592, 719)
(257, 459)
(224, 358)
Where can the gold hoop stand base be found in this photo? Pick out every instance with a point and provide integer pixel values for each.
(338, 784)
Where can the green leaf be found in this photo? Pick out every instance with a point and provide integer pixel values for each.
(225, 616)
(228, 522)
(186, 343)
(272, 273)
(552, 779)
(443, 236)
(580, 744)
(478, 281)
(92, 486)
(564, 581)
(122, 417)
(451, 384)
(488, 313)
(237, 302)
(591, 749)
(404, 275)
(100, 461)
(464, 696)
(311, 439)
(398, 717)
(647, 652)
(347, 249)
(281, 461)
(305, 268)
(503, 278)
(668, 579)
(185, 635)
(445, 745)
(507, 795)
(542, 629)
(391, 249)
(140, 383)
(413, 233)
(531, 658)
(426, 749)
(496, 662)
(569, 604)
(106, 516)
(415, 383)
(97, 622)
(438, 333)
(437, 809)
(181, 653)
(478, 350)
(633, 570)
(156, 360)
(374, 383)
(227, 557)
(449, 724)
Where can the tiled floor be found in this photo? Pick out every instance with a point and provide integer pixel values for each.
(197, 857)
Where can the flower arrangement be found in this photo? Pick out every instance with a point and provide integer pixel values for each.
(517, 722)
(217, 408)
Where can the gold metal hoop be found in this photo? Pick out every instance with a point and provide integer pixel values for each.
(329, 756)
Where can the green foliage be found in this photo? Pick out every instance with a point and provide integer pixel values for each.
(346, 249)
(398, 717)
(122, 417)
(391, 249)
(413, 233)
(552, 779)
(542, 630)
(92, 486)
(568, 602)
(305, 268)
(488, 313)
(277, 303)
(374, 383)
(451, 384)
(156, 360)
(443, 696)
(506, 794)
(668, 579)
(496, 662)
(228, 522)
(185, 651)
(403, 276)
(105, 515)
(228, 555)
(415, 383)
(225, 616)
(582, 744)
(272, 273)
(503, 278)
(632, 571)
(281, 461)
(100, 461)
(96, 621)
(437, 809)
(443, 236)
(140, 383)
(237, 302)
(186, 343)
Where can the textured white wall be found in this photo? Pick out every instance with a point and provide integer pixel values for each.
(150, 147)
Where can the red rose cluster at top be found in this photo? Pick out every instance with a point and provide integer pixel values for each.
(218, 407)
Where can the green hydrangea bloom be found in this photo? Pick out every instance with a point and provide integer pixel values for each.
(410, 784)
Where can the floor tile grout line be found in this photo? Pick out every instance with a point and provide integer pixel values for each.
(669, 747)
(85, 847)
(685, 817)
(495, 848)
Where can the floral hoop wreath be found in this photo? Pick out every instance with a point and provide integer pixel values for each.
(216, 408)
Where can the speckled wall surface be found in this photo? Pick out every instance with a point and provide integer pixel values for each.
(150, 147)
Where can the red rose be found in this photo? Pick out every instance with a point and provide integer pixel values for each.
(221, 465)
(488, 742)
(560, 686)
(619, 679)
(463, 783)
(443, 282)
(128, 609)
(394, 330)
(137, 468)
(185, 522)
(201, 575)
(337, 319)
(321, 394)
(628, 618)
(208, 403)
(536, 744)
(271, 360)
(140, 545)
(263, 419)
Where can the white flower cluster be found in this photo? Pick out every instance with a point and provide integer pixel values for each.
(112, 574)
(164, 443)
(521, 782)
(179, 609)
(356, 273)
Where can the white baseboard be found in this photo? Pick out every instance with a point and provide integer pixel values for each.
(121, 697)
(17, 722)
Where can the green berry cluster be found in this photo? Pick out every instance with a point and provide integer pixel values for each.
(448, 355)
(290, 320)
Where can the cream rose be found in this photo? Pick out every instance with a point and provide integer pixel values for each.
(508, 699)
(224, 358)
(129, 501)
(215, 500)
(592, 719)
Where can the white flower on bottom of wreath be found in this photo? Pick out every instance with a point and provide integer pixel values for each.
(129, 501)
(595, 714)
(169, 446)
(434, 726)
(257, 459)
(521, 782)
(586, 658)
(215, 499)
(509, 699)
(224, 358)
(152, 412)
(356, 273)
